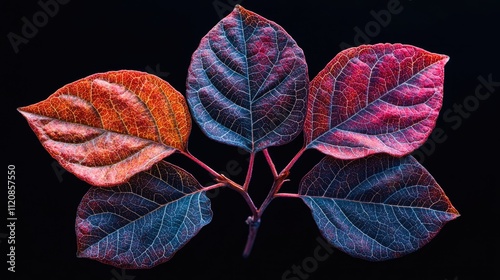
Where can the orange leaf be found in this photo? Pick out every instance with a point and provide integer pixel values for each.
(109, 126)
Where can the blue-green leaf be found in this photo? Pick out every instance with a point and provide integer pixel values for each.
(376, 208)
(144, 222)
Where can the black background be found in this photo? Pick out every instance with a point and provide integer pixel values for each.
(87, 37)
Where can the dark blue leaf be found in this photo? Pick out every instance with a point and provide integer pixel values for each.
(142, 223)
(376, 208)
(247, 83)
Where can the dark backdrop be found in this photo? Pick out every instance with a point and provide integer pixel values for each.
(86, 37)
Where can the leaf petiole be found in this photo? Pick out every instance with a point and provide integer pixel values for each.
(249, 172)
(224, 181)
(270, 162)
(214, 186)
(200, 163)
(291, 195)
(292, 162)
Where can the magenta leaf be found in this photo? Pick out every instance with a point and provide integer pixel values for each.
(382, 98)
(376, 208)
(247, 83)
(142, 223)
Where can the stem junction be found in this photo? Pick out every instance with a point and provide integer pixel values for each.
(254, 220)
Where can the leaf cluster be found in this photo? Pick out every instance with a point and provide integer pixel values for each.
(248, 86)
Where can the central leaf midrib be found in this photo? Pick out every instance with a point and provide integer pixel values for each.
(102, 135)
(245, 53)
(352, 223)
(376, 203)
(159, 208)
(334, 200)
(163, 207)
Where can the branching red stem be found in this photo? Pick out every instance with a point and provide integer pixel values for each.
(223, 180)
(253, 221)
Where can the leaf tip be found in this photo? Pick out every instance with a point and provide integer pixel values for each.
(21, 109)
(238, 7)
(445, 58)
(453, 211)
(242, 11)
(24, 111)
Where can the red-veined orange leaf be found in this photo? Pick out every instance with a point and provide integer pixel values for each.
(109, 126)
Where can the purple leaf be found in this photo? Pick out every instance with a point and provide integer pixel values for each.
(376, 208)
(247, 83)
(370, 99)
(142, 223)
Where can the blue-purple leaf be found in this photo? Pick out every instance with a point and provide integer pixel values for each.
(376, 208)
(142, 223)
(247, 83)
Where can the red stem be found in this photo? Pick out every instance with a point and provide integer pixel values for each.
(254, 221)
(200, 163)
(214, 186)
(221, 179)
(293, 161)
(249, 171)
(271, 163)
(249, 201)
(292, 195)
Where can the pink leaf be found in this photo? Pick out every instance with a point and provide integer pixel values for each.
(371, 99)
